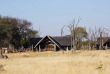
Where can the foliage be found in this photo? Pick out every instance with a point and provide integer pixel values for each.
(5, 32)
(80, 34)
(85, 43)
(16, 32)
(78, 44)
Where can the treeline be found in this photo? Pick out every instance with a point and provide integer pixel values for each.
(15, 32)
(82, 38)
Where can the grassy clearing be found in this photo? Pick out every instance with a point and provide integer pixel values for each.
(83, 62)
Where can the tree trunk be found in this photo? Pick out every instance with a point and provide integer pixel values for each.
(1, 52)
(1, 56)
(71, 42)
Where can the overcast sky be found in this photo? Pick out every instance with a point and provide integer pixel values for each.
(51, 15)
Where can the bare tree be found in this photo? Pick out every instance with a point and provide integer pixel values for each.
(102, 34)
(90, 38)
(62, 31)
(93, 35)
(71, 31)
(72, 27)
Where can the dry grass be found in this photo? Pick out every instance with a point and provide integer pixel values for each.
(83, 62)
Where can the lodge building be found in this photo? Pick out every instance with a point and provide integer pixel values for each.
(49, 43)
(103, 43)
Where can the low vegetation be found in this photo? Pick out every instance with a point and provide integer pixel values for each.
(82, 62)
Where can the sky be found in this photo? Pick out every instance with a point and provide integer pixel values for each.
(49, 16)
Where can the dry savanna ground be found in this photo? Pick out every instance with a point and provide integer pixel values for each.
(82, 62)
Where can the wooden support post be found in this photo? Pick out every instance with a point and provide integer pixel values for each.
(67, 49)
(32, 47)
(39, 49)
(106, 47)
(54, 47)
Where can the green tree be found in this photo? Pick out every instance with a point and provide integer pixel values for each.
(16, 32)
(5, 32)
(80, 34)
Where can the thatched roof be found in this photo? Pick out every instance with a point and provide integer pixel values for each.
(63, 41)
(107, 42)
(59, 41)
(104, 40)
(34, 40)
(50, 38)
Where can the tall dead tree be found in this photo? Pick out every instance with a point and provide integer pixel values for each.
(62, 32)
(72, 27)
(90, 38)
